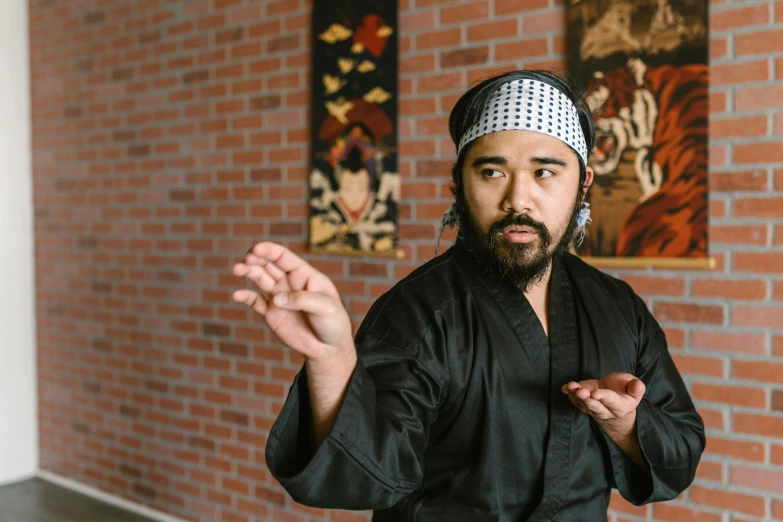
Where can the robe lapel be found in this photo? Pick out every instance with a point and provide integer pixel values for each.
(520, 316)
(563, 347)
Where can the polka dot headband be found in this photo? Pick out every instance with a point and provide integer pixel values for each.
(533, 106)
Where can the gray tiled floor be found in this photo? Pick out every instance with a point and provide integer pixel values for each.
(36, 500)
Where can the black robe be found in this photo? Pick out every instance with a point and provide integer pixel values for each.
(454, 410)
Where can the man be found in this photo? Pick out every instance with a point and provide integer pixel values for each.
(503, 380)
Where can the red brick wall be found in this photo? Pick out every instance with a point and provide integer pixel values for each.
(170, 135)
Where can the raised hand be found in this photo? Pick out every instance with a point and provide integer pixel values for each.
(612, 398)
(299, 303)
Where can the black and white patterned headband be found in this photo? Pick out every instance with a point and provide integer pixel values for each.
(533, 106)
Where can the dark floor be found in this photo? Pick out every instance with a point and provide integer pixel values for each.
(36, 500)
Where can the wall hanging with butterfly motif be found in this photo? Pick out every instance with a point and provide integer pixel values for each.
(354, 181)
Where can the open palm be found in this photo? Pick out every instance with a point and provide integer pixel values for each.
(299, 303)
(613, 396)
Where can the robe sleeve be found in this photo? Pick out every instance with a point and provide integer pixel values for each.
(670, 431)
(371, 457)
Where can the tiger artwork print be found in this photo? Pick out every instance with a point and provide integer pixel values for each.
(662, 113)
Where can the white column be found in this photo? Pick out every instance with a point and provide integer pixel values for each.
(18, 394)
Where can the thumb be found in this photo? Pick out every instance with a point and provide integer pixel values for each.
(308, 302)
(636, 389)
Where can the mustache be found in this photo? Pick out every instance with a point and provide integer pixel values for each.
(519, 220)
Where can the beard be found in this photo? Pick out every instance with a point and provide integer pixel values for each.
(521, 264)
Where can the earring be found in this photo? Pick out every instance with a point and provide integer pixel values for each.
(450, 220)
(582, 219)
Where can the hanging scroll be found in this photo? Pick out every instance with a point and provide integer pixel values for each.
(647, 61)
(354, 181)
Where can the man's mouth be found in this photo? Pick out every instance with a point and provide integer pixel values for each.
(519, 233)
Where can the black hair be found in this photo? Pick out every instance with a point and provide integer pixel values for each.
(472, 104)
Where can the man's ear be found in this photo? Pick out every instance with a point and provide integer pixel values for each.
(589, 177)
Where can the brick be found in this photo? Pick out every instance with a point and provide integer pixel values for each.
(758, 98)
(699, 365)
(741, 289)
(764, 317)
(759, 262)
(543, 22)
(721, 499)
(759, 207)
(718, 49)
(713, 419)
(729, 342)
(492, 30)
(368, 269)
(758, 371)
(439, 82)
(671, 513)
(432, 126)
(758, 42)
(736, 449)
(282, 43)
(417, 63)
(707, 470)
(757, 478)
(417, 148)
(744, 127)
(760, 152)
(743, 72)
(779, 118)
(717, 102)
(463, 57)
(777, 405)
(718, 156)
(717, 208)
(739, 234)
(521, 49)
(434, 168)
(464, 12)
(736, 395)
(438, 39)
(675, 337)
(750, 180)
(689, 313)
(647, 285)
(416, 21)
(519, 6)
(742, 17)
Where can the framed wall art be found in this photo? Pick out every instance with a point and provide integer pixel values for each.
(646, 62)
(354, 180)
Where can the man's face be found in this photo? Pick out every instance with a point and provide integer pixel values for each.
(521, 193)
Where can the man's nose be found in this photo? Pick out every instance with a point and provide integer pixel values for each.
(519, 195)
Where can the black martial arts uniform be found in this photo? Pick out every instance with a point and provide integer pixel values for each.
(454, 411)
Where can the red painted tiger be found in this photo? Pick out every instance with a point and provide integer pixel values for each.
(663, 113)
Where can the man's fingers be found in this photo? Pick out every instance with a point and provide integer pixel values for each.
(636, 389)
(281, 264)
(597, 409)
(258, 274)
(611, 401)
(278, 254)
(578, 404)
(252, 299)
(308, 302)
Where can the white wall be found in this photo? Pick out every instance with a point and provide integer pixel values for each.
(18, 395)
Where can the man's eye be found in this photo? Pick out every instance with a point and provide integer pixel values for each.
(492, 173)
(544, 173)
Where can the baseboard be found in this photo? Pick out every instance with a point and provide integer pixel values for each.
(106, 497)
